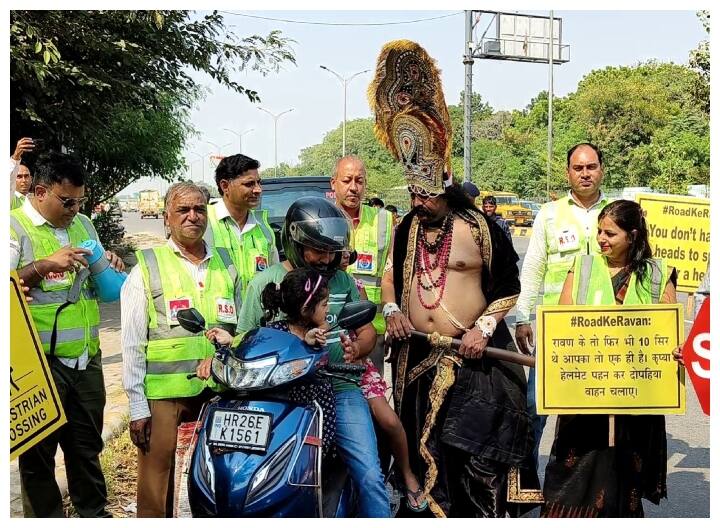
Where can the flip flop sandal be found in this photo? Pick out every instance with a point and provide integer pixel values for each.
(415, 496)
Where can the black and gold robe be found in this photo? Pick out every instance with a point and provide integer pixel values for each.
(467, 426)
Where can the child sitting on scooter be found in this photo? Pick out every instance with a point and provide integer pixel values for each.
(373, 387)
(303, 297)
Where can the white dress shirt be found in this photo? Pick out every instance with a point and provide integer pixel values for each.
(134, 322)
(224, 216)
(535, 263)
(63, 238)
(14, 168)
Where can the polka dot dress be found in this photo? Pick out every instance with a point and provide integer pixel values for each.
(314, 389)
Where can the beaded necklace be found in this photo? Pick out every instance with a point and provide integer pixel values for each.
(431, 257)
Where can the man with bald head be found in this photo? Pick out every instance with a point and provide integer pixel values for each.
(158, 354)
(372, 235)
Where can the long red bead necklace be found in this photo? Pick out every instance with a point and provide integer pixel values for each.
(433, 255)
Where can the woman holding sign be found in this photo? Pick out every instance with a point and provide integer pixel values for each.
(600, 465)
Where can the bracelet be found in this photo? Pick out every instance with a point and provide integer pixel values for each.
(486, 324)
(389, 309)
(36, 270)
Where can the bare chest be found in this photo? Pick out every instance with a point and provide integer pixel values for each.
(464, 253)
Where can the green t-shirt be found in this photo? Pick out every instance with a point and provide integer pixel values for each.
(342, 290)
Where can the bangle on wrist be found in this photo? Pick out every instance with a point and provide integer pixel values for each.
(36, 270)
(486, 324)
(390, 309)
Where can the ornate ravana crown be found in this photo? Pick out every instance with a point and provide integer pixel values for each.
(411, 118)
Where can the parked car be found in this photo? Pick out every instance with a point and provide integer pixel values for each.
(279, 194)
(533, 206)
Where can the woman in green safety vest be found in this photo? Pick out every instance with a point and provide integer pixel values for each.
(586, 476)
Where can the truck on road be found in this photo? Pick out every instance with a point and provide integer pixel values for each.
(510, 208)
(150, 204)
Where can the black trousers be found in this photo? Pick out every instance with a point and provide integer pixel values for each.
(82, 394)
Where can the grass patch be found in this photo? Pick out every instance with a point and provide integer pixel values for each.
(119, 464)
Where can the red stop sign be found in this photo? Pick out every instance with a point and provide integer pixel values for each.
(696, 354)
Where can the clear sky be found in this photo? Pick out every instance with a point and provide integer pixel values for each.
(596, 38)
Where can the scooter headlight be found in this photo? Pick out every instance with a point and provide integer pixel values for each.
(242, 375)
(289, 371)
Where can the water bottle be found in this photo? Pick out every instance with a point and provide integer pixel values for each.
(106, 280)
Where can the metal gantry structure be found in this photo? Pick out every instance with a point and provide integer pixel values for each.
(520, 38)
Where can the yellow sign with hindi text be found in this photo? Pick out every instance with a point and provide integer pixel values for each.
(679, 232)
(609, 359)
(35, 408)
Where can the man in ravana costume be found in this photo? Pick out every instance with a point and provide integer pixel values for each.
(453, 273)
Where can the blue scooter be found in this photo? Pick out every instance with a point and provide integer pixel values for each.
(258, 454)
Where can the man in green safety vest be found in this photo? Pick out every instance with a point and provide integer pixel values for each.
(562, 230)
(234, 224)
(158, 354)
(19, 174)
(372, 238)
(46, 233)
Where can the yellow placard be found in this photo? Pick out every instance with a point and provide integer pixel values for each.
(679, 231)
(35, 409)
(609, 359)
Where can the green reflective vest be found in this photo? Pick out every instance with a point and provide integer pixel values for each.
(172, 352)
(592, 284)
(78, 324)
(372, 242)
(565, 238)
(250, 252)
(17, 201)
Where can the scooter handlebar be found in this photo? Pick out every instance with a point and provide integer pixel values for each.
(491, 352)
(345, 368)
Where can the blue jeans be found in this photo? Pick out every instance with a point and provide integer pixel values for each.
(356, 442)
(537, 422)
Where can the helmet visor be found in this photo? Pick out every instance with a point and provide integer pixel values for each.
(323, 234)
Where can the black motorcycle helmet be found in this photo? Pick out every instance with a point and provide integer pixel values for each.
(317, 223)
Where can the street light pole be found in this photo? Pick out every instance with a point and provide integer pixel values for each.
(275, 119)
(202, 164)
(218, 147)
(240, 135)
(344, 81)
(550, 107)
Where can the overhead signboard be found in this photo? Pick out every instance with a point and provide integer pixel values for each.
(35, 408)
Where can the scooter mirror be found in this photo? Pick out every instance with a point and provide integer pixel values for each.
(191, 320)
(356, 314)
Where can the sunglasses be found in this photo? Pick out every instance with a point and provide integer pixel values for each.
(69, 203)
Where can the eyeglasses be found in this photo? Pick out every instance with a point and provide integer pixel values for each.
(69, 203)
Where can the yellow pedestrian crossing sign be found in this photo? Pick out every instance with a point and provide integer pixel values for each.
(35, 408)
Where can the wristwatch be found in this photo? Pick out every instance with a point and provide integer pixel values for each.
(389, 309)
(486, 324)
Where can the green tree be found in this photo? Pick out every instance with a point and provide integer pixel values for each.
(135, 143)
(621, 108)
(383, 171)
(74, 75)
(700, 62)
(480, 111)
